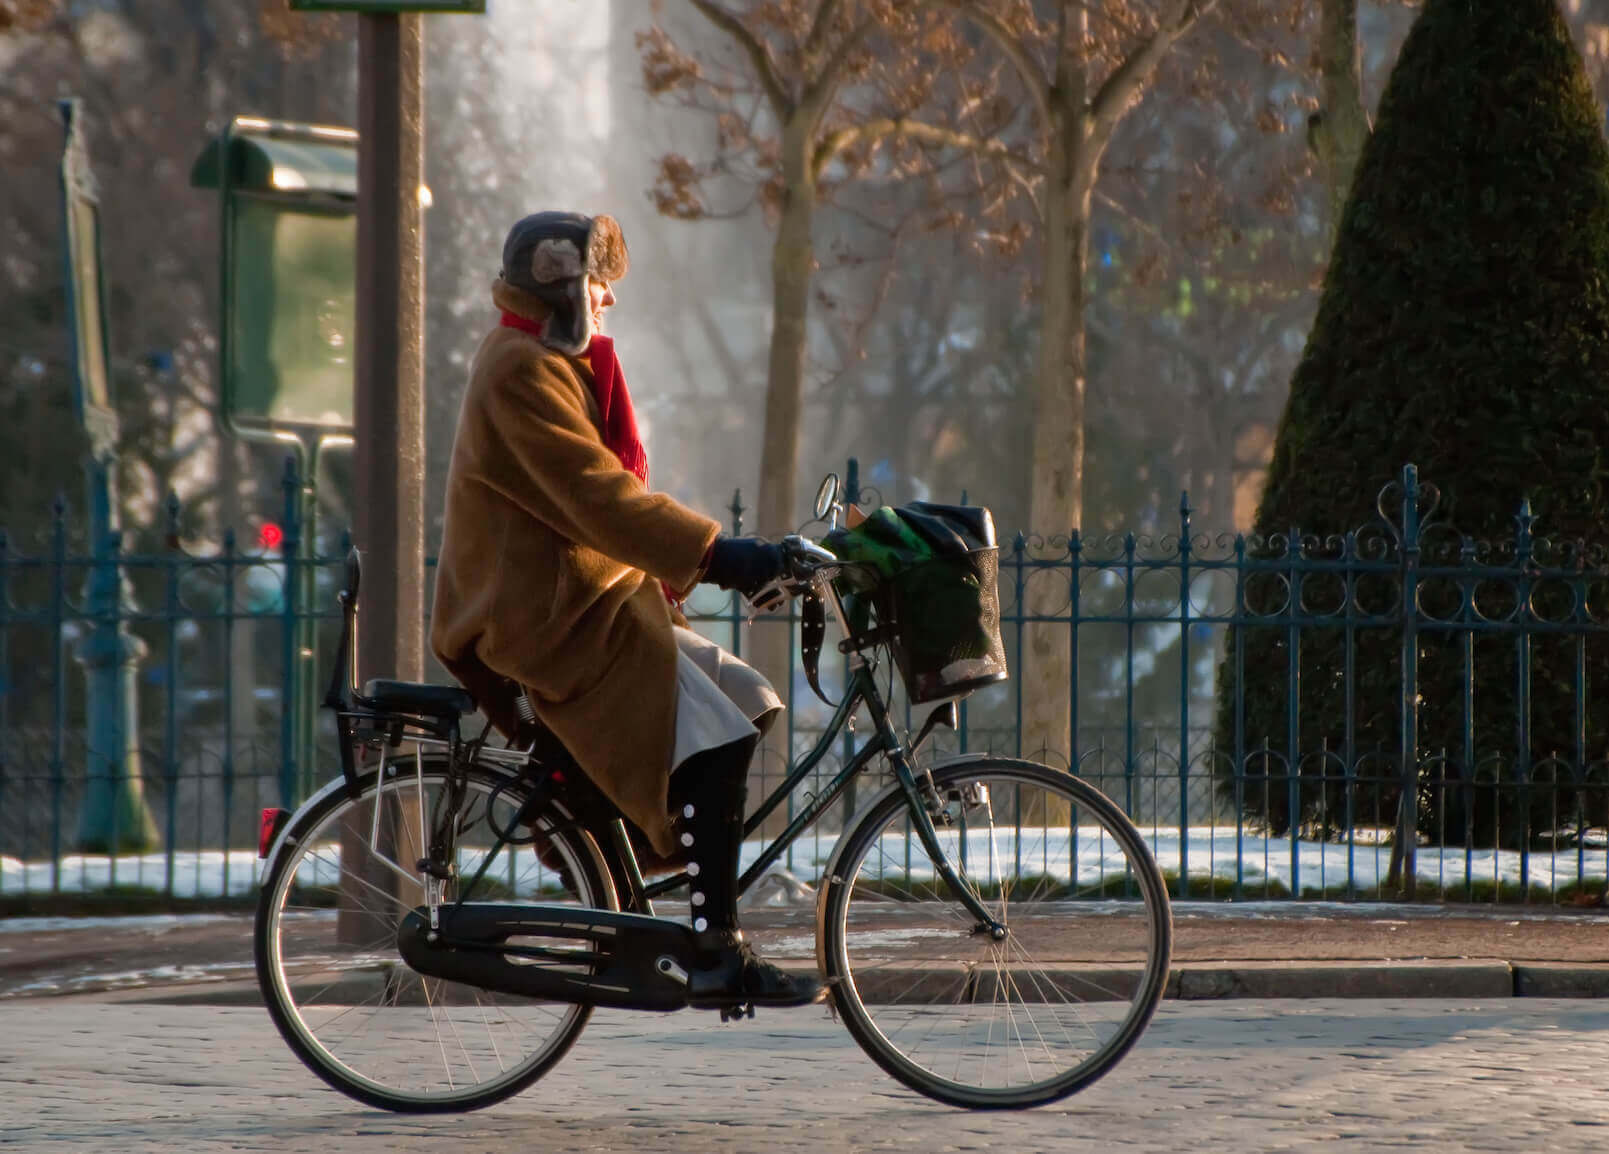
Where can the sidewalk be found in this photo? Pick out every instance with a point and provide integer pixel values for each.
(1221, 950)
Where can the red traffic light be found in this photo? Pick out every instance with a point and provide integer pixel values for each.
(270, 535)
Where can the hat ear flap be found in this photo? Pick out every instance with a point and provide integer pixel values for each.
(607, 258)
(570, 329)
(583, 313)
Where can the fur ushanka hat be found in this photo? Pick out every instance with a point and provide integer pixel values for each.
(551, 254)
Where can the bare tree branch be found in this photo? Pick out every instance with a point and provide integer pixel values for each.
(821, 27)
(885, 128)
(1018, 53)
(759, 52)
(1135, 221)
(822, 90)
(1123, 86)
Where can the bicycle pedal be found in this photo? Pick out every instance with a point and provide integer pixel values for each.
(738, 1012)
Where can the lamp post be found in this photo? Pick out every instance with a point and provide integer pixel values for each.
(114, 816)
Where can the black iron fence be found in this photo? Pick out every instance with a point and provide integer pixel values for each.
(1397, 709)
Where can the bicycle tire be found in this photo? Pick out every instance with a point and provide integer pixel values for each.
(900, 950)
(311, 978)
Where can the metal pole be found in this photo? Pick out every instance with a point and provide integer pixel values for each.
(389, 520)
(114, 816)
(306, 681)
(389, 410)
(290, 607)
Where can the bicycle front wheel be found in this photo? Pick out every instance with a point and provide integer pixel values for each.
(326, 941)
(953, 1013)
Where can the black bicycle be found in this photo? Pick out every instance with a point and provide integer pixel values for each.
(438, 922)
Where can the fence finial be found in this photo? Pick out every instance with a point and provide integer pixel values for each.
(171, 507)
(1524, 523)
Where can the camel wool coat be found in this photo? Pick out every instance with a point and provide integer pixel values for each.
(550, 565)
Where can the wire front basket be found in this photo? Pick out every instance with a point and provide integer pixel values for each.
(946, 623)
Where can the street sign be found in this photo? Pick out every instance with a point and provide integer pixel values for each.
(389, 7)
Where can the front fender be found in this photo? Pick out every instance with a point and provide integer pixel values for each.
(830, 872)
(831, 869)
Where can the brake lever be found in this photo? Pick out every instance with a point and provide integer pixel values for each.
(770, 598)
(774, 596)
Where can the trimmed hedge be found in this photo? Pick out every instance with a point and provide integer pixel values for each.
(1463, 326)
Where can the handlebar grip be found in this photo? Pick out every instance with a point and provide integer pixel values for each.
(804, 557)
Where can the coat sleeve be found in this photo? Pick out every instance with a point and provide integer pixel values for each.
(552, 462)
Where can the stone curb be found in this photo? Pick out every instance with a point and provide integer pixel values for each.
(1559, 980)
(1189, 981)
(1354, 979)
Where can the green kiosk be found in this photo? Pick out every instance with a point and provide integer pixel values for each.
(288, 208)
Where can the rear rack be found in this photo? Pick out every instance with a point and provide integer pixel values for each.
(360, 720)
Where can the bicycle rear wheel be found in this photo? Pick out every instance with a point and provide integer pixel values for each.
(975, 1022)
(326, 942)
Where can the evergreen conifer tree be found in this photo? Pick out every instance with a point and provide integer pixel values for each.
(1463, 327)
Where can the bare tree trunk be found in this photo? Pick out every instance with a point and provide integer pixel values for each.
(1341, 126)
(792, 264)
(1057, 461)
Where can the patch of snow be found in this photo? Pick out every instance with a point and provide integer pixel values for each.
(165, 975)
(152, 923)
(804, 945)
(1203, 851)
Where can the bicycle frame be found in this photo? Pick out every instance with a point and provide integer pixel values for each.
(861, 690)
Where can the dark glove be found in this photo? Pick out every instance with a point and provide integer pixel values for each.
(743, 563)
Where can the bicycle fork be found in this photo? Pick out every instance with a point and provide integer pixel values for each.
(925, 804)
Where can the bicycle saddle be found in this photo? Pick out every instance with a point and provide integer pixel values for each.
(417, 697)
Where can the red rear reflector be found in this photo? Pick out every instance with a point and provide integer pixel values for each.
(268, 831)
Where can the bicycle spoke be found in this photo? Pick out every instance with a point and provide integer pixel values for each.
(385, 1033)
(1008, 1038)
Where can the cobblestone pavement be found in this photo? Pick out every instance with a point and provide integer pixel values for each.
(1510, 1075)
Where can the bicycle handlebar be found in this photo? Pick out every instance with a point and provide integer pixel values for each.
(804, 557)
(805, 561)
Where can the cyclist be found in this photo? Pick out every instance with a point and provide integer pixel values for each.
(562, 572)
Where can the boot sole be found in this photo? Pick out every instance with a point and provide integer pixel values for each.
(775, 1002)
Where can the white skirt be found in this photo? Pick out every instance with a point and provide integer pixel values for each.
(718, 697)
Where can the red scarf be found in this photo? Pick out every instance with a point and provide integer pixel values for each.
(614, 402)
(620, 434)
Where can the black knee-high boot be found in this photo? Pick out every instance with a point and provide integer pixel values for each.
(708, 792)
